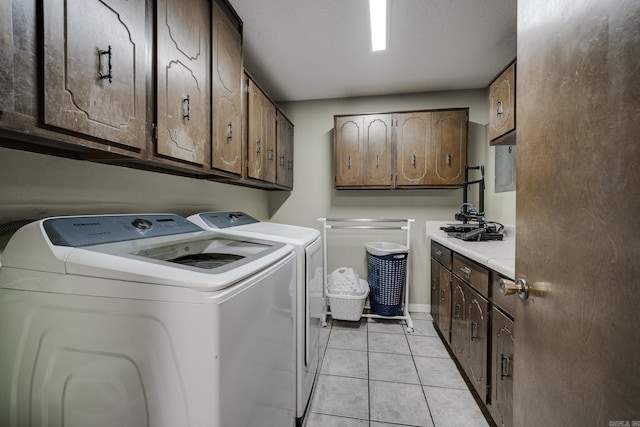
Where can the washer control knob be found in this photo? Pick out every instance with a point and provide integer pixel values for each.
(142, 223)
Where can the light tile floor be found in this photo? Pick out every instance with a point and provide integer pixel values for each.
(375, 374)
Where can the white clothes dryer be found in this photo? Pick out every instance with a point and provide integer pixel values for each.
(145, 320)
(307, 244)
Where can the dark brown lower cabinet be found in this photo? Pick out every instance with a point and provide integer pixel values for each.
(444, 308)
(476, 322)
(502, 368)
(459, 335)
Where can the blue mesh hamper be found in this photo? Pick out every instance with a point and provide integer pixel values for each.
(387, 269)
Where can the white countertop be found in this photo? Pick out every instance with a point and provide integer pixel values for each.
(498, 255)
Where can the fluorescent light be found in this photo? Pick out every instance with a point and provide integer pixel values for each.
(378, 12)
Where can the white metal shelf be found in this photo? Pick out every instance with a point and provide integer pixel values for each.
(403, 224)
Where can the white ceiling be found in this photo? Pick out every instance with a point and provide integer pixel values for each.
(316, 49)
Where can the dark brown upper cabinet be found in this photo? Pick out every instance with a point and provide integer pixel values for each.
(420, 149)
(94, 69)
(226, 144)
(502, 108)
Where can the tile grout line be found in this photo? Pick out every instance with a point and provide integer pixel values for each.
(413, 358)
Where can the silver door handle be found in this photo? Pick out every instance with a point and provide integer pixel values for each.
(466, 271)
(520, 287)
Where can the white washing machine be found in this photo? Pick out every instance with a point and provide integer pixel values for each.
(309, 296)
(145, 320)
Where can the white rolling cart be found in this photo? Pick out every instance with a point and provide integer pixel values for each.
(370, 224)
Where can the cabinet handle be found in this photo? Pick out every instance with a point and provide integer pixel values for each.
(186, 110)
(442, 295)
(377, 162)
(229, 130)
(258, 146)
(474, 330)
(104, 64)
(349, 163)
(413, 161)
(505, 366)
(439, 253)
(271, 154)
(433, 284)
(499, 108)
(290, 164)
(466, 271)
(448, 160)
(457, 311)
(282, 161)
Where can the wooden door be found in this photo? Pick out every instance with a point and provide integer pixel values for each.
(503, 338)
(577, 348)
(449, 147)
(348, 151)
(7, 92)
(459, 329)
(413, 145)
(444, 308)
(94, 69)
(378, 160)
(285, 151)
(502, 92)
(256, 128)
(183, 80)
(226, 144)
(270, 142)
(477, 340)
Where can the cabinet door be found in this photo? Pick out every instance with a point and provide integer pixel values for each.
(7, 93)
(435, 289)
(502, 94)
(348, 151)
(255, 139)
(226, 144)
(502, 369)
(477, 321)
(269, 122)
(285, 152)
(444, 309)
(413, 144)
(459, 327)
(94, 69)
(449, 149)
(378, 164)
(183, 91)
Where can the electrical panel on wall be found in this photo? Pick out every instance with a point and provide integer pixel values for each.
(505, 168)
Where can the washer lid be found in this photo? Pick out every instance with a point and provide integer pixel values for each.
(207, 262)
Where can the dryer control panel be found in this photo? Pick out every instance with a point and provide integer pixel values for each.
(92, 230)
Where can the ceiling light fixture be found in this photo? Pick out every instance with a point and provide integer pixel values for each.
(378, 13)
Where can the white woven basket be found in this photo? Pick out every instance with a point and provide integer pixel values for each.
(348, 307)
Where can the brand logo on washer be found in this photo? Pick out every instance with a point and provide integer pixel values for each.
(85, 224)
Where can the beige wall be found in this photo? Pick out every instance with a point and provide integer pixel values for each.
(314, 196)
(37, 186)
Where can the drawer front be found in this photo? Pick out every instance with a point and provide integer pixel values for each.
(441, 254)
(472, 273)
(506, 303)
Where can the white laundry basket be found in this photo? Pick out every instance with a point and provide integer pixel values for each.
(347, 294)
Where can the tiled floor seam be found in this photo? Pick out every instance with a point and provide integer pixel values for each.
(415, 365)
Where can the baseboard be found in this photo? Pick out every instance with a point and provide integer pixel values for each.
(419, 308)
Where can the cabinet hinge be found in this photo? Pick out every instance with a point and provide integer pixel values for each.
(154, 131)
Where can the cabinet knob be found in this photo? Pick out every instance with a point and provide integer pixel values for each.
(520, 287)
